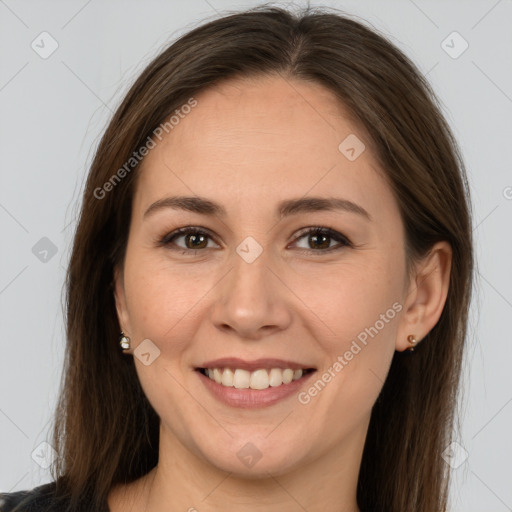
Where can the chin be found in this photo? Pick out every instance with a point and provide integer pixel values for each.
(255, 460)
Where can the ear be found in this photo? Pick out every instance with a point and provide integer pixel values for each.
(120, 300)
(426, 295)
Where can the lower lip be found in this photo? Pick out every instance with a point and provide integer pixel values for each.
(252, 398)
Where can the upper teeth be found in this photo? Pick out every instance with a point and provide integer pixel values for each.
(259, 379)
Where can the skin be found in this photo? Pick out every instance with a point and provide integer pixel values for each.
(248, 144)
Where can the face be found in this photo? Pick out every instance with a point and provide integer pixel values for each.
(251, 281)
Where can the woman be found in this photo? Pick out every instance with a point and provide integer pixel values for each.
(275, 218)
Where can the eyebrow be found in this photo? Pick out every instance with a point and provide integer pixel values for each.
(285, 208)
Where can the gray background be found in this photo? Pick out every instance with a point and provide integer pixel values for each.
(53, 111)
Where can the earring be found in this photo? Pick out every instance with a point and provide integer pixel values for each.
(124, 341)
(411, 339)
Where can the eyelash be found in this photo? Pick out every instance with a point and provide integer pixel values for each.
(166, 241)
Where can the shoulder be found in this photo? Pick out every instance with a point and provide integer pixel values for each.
(43, 499)
(38, 499)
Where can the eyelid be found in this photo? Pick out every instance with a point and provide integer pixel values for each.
(324, 230)
(166, 239)
(343, 241)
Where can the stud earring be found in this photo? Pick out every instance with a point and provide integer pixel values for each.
(124, 341)
(412, 340)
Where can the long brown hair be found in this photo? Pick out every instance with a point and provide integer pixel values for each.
(106, 432)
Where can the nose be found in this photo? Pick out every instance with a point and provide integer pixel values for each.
(252, 299)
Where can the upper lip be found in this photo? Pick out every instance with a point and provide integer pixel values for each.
(235, 362)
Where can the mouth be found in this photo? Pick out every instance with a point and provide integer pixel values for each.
(259, 379)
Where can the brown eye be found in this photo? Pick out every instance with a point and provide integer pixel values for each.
(322, 240)
(193, 239)
(319, 240)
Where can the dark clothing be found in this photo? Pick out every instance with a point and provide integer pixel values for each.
(42, 499)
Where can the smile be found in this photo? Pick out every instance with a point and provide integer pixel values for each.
(259, 379)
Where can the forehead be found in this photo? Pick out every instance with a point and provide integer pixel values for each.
(251, 141)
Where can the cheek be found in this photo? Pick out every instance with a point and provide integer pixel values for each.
(358, 358)
(163, 299)
(352, 296)
(359, 308)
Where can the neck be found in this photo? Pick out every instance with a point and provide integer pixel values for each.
(183, 481)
